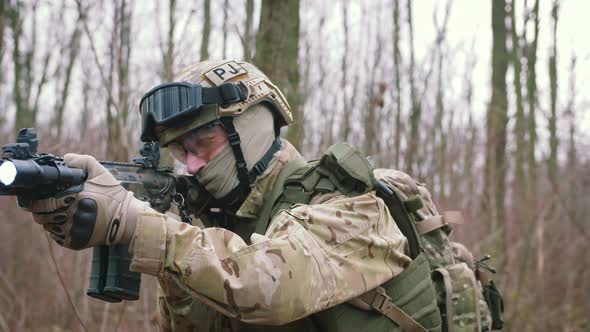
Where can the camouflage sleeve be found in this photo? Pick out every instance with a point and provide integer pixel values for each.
(312, 257)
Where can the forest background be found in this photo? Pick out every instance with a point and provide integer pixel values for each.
(481, 100)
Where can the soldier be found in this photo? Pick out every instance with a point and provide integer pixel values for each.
(288, 246)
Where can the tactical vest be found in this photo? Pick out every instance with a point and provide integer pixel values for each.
(431, 294)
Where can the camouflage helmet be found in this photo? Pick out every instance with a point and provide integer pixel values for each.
(212, 73)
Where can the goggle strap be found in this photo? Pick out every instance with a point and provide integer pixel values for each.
(233, 200)
(234, 141)
(263, 163)
(227, 93)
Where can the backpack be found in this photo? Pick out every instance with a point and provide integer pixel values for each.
(468, 297)
(443, 289)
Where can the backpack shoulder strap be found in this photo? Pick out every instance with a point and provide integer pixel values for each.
(265, 214)
(402, 217)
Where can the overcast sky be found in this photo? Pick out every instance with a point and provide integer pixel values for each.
(471, 21)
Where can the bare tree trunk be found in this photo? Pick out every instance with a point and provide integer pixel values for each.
(551, 162)
(4, 15)
(206, 30)
(553, 140)
(326, 117)
(248, 32)
(27, 90)
(531, 54)
(168, 52)
(416, 110)
(398, 90)
(571, 182)
(123, 58)
(73, 49)
(440, 108)
(572, 155)
(346, 107)
(168, 57)
(495, 164)
(23, 117)
(376, 88)
(119, 62)
(520, 128)
(472, 138)
(532, 163)
(4, 10)
(225, 26)
(276, 55)
(111, 115)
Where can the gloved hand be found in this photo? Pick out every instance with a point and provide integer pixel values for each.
(103, 213)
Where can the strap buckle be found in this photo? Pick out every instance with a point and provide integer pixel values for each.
(380, 300)
(260, 167)
(231, 93)
(233, 138)
(241, 164)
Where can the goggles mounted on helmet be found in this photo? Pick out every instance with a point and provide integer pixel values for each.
(171, 104)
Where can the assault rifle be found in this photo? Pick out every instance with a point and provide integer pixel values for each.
(31, 176)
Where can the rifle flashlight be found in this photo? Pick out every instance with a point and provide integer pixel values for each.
(7, 173)
(38, 177)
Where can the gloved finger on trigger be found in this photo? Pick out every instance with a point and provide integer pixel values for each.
(52, 204)
(85, 162)
(58, 218)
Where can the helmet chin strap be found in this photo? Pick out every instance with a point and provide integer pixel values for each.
(236, 197)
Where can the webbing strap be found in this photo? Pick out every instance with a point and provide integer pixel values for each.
(442, 275)
(226, 93)
(234, 199)
(234, 141)
(278, 188)
(401, 216)
(262, 164)
(436, 222)
(381, 302)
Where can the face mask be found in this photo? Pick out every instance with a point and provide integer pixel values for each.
(220, 175)
(256, 130)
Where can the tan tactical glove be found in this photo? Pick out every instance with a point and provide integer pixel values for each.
(103, 213)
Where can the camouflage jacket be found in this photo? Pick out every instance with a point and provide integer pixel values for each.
(311, 257)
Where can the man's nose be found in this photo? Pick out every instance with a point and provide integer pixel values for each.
(194, 163)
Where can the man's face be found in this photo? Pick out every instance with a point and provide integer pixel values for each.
(196, 148)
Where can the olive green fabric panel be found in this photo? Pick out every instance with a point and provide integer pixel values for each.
(412, 291)
(347, 318)
(302, 325)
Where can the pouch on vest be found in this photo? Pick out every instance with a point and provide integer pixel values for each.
(347, 169)
(342, 168)
(459, 298)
